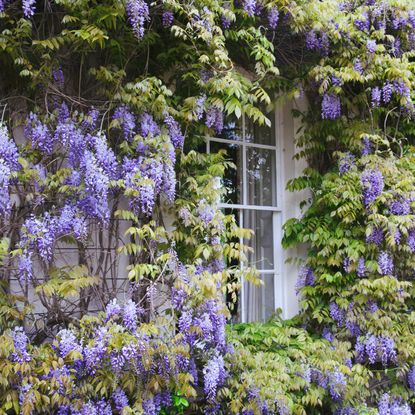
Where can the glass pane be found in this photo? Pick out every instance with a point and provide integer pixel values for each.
(233, 177)
(259, 300)
(260, 134)
(262, 242)
(261, 177)
(232, 129)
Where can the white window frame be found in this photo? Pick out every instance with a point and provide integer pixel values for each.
(276, 210)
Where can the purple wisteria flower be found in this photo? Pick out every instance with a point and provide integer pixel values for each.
(363, 23)
(337, 314)
(372, 185)
(29, 8)
(127, 121)
(273, 16)
(371, 46)
(337, 385)
(366, 146)
(361, 267)
(401, 207)
(305, 278)
(411, 378)
(376, 236)
(214, 119)
(357, 66)
(249, 7)
(168, 18)
(175, 132)
(214, 375)
(387, 92)
(330, 106)
(20, 341)
(376, 96)
(346, 163)
(411, 240)
(385, 263)
(138, 13)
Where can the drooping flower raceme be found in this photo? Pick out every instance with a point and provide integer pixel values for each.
(138, 13)
(372, 185)
(330, 107)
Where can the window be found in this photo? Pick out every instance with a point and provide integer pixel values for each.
(254, 196)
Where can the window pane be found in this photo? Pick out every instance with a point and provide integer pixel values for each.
(261, 177)
(259, 300)
(232, 129)
(233, 177)
(260, 134)
(262, 242)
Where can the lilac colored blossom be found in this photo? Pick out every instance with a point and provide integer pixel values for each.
(402, 89)
(358, 66)
(388, 406)
(397, 236)
(175, 133)
(337, 314)
(273, 16)
(59, 77)
(305, 278)
(401, 207)
(371, 345)
(366, 146)
(328, 335)
(346, 163)
(105, 156)
(25, 266)
(249, 7)
(214, 119)
(68, 343)
(169, 182)
(90, 121)
(126, 119)
(112, 309)
(148, 127)
(376, 96)
(353, 327)
(38, 134)
(8, 150)
(372, 185)
(411, 378)
(387, 350)
(363, 23)
(330, 106)
(346, 264)
(226, 22)
(130, 316)
(411, 240)
(361, 267)
(167, 19)
(185, 321)
(138, 13)
(336, 81)
(360, 351)
(376, 236)
(385, 263)
(29, 8)
(5, 201)
(94, 353)
(26, 394)
(372, 306)
(337, 385)
(20, 341)
(371, 46)
(318, 42)
(200, 106)
(387, 92)
(213, 376)
(205, 212)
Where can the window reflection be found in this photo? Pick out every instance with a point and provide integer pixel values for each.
(233, 177)
(261, 180)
